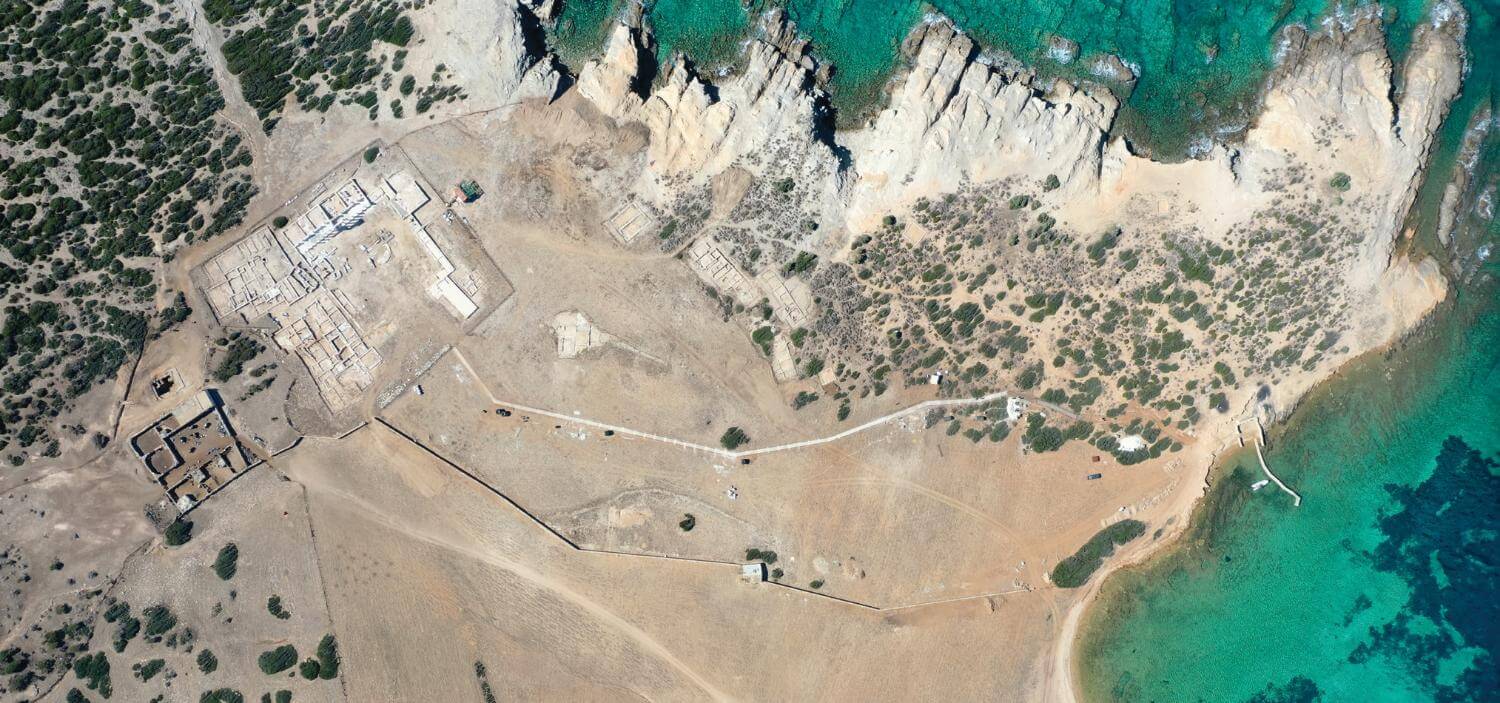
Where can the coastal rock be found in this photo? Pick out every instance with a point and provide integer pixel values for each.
(1061, 49)
(611, 82)
(496, 65)
(1112, 68)
(696, 129)
(955, 119)
(1331, 105)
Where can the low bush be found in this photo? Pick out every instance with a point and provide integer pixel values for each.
(178, 533)
(274, 606)
(733, 438)
(207, 662)
(328, 657)
(227, 562)
(275, 661)
(1075, 570)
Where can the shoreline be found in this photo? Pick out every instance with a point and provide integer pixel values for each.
(1062, 675)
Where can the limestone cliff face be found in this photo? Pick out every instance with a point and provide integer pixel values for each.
(610, 82)
(955, 118)
(698, 130)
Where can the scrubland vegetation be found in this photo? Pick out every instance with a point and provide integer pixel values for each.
(323, 53)
(111, 155)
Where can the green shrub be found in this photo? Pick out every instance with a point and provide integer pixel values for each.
(371, 152)
(222, 695)
(116, 610)
(1101, 246)
(668, 229)
(207, 662)
(178, 533)
(816, 584)
(805, 261)
(228, 561)
(274, 606)
(93, 669)
(309, 669)
(328, 657)
(126, 631)
(764, 556)
(1340, 182)
(275, 661)
(159, 620)
(688, 522)
(763, 337)
(279, 221)
(1075, 570)
(734, 438)
(148, 669)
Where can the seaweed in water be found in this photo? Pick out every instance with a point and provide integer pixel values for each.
(1442, 541)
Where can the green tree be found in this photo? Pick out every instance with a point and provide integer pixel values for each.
(227, 563)
(734, 438)
(275, 661)
(207, 662)
(178, 533)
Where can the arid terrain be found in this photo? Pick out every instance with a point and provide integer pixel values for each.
(513, 384)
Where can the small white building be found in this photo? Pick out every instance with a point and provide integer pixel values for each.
(1014, 408)
(753, 573)
(1132, 443)
(936, 378)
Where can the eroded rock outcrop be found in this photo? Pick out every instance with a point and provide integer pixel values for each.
(955, 118)
(488, 50)
(698, 130)
(1330, 108)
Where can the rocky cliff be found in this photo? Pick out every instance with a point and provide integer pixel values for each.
(1334, 107)
(955, 119)
(698, 130)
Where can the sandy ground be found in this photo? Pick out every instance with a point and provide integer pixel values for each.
(861, 514)
(460, 576)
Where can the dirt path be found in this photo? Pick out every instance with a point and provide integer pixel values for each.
(728, 454)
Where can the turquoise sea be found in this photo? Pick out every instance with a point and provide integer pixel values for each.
(1382, 586)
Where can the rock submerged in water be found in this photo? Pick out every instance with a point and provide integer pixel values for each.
(1113, 68)
(1061, 49)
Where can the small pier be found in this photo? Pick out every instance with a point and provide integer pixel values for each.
(1260, 441)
